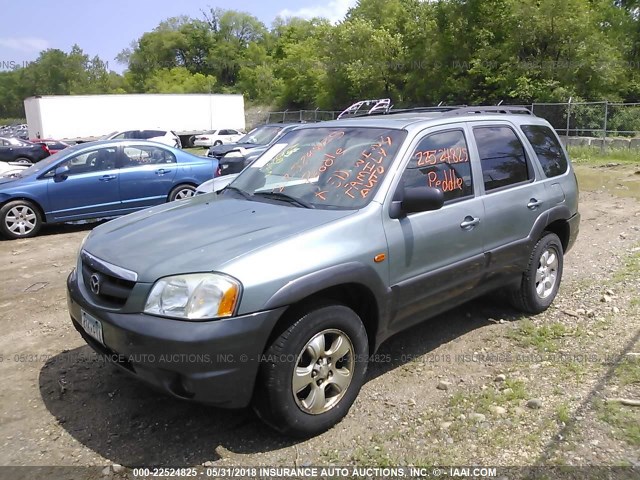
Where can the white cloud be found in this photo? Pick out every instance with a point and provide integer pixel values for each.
(24, 44)
(335, 10)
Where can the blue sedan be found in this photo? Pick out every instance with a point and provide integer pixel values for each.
(97, 180)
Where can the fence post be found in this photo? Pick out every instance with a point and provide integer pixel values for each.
(606, 116)
(568, 120)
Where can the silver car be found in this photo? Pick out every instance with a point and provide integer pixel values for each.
(339, 236)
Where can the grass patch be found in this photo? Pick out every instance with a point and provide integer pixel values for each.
(596, 156)
(373, 456)
(513, 391)
(544, 338)
(624, 420)
(631, 269)
(563, 413)
(628, 372)
(201, 152)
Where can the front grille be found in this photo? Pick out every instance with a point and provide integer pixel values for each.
(112, 290)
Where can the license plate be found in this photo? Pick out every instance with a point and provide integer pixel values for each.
(92, 326)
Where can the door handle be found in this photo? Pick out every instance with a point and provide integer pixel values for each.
(469, 222)
(162, 171)
(107, 178)
(533, 204)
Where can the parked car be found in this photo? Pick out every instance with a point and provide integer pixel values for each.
(215, 184)
(21, 151)
(54, 146)
(165, 137)
(217, 137)
(98, 180)
(8, 169)
(339, 236)
(235, 160)
(258, 137)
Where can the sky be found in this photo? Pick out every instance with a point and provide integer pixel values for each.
(106, 28)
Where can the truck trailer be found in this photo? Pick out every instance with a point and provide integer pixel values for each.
(83, 118)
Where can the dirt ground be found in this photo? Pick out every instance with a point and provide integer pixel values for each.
(481, 385)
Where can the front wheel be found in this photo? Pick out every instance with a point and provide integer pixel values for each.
(23, 161)
(19, 219)
(182, 191)
(541, 280)
(311, 373)
(217, 143)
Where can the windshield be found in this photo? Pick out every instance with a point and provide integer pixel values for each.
(333, 168)
(261, 135)
(47, 162)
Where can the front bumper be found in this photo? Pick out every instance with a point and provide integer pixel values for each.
(214, 362)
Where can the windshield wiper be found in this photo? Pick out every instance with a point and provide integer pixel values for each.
(285, 198)
(244, 194)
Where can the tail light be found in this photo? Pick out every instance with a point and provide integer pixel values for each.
(45, 148)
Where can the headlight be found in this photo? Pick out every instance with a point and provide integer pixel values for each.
(197, 296)
(84, 240)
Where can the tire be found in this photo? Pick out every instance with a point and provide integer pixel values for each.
(19, 219)
(181, 192)
(23, 160)
(217, 142)
(300, 411)
(541, 279)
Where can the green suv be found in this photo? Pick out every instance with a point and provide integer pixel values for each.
(275, 291)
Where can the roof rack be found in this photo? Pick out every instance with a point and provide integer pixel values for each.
(479, 110)
(381, 105)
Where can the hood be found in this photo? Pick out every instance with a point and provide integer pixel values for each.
(216, 184)
(199, 234)
(222, 149)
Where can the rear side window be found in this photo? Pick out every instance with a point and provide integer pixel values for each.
(441, 160)
(547, 148)
(146, 134)
(502, 157)
(135, 156)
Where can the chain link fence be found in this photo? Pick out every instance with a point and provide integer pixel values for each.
(601, 124)
(302, 116)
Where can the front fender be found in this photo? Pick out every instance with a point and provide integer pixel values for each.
(348, 273)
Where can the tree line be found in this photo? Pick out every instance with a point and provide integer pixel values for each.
(415, 52)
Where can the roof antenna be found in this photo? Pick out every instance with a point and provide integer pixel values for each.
(440, 104)
(500, 103)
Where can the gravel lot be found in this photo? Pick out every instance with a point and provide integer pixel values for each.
(479, 385)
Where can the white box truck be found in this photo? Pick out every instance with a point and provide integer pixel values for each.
(82, 118)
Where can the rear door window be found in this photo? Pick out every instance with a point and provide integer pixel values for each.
(548, 149)
(135, 156)
(502, 157)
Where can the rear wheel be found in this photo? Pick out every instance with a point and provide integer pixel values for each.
(19, 219)
(217, 142)
(541, 280)
(23, 160)
(311, 374)
(182, 191)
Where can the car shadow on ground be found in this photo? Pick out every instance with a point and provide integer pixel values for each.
(131, 424)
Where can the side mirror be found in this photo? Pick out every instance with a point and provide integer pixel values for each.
(418, 199)
(61, 171)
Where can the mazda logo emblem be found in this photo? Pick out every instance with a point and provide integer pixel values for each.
(94, 283)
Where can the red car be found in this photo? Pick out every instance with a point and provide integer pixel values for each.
(54, 146)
